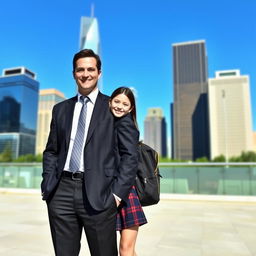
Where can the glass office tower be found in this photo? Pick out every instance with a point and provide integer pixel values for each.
(90, 38)
(89, 34)
(190, 135)
(18, 111)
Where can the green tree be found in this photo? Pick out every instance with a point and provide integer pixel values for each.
(29, 158)
(235, 159)
(26, 158)
(39, 158)
(202, 160)
(6, 155)
(164, 159)
(219, 159)
(248, 156)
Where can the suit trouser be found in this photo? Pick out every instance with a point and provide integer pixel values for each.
(69, 212)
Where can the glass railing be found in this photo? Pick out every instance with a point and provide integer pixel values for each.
(20, 175)
(209, 178)
(194, 178)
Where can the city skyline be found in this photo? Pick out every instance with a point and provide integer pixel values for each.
(136, 43)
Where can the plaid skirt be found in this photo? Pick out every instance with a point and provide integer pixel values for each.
(130, 214)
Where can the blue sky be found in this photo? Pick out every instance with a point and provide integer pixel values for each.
(136, 39)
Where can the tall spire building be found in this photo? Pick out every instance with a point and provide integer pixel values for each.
(90, 36)
(89, 33)
(190, 135)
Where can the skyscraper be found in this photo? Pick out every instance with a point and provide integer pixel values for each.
(90, 37)
(254, 141)
(18, 111)
(47, 99)
(89, 34)
(230, 114)
(155, 131)
(190, 136)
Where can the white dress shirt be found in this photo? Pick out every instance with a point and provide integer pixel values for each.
(90, 106)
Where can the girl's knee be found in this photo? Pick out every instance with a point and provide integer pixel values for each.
(127, 248)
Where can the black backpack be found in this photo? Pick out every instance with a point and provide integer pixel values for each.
(147, 181)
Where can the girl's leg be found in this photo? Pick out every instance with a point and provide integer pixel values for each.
(127, 241)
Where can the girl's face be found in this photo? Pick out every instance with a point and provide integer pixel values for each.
(120, 105)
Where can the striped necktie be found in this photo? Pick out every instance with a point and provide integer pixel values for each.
(79, 138)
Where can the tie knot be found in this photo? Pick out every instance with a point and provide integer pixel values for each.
(84, 99)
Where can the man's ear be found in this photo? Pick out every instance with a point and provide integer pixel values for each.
(99, 74)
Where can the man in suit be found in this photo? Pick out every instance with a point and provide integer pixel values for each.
(83, 178)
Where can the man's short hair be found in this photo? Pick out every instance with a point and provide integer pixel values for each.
(84, 54)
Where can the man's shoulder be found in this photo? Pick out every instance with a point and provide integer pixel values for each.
(66, 102)
(103, 101)
(103, 96)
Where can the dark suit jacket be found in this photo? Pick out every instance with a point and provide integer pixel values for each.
(105, 173)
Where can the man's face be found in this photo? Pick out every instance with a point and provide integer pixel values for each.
(86, 75)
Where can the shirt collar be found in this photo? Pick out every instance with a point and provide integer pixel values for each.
(92, 96)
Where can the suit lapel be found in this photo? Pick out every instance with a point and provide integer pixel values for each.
(69, 113)
(96, 115)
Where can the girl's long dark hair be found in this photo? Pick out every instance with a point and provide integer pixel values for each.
(127, 92)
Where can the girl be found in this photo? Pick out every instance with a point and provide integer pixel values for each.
(130, 214)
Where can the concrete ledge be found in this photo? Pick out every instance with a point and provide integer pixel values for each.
(163, 196)
(20, 191)
(194, 197)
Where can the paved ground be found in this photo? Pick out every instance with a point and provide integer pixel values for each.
(178, 226)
